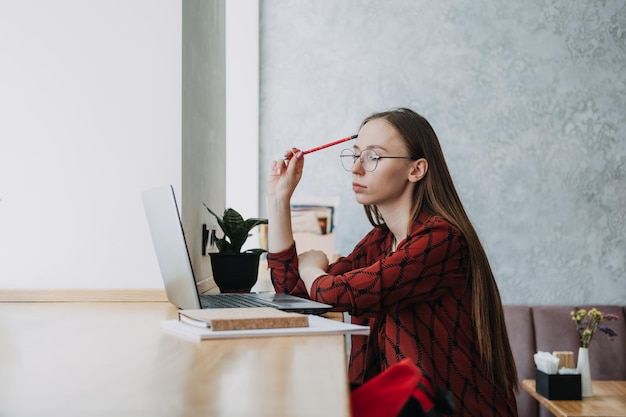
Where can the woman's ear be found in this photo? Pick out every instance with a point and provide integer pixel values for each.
(419, 169)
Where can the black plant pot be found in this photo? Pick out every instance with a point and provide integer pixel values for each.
(235, 273)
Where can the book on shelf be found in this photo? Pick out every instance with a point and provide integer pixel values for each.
(312, 218)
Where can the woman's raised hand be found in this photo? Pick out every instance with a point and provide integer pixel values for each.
(286, 174)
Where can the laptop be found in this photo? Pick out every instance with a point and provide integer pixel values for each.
(174, 261)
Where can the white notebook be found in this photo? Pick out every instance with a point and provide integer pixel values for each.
(317, 326)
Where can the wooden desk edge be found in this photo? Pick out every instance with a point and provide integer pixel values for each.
(82, 295)
(529, 386)
(105, 295)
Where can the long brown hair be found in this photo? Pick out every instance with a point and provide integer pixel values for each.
(436, 194)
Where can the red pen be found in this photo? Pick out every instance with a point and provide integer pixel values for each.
(337, 142)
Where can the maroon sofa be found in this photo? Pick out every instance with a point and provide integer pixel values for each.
(550, 328)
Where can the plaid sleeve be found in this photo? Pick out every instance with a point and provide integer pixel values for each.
(428, 263)
(284, 273)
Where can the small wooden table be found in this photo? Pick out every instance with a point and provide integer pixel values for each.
(608, 400)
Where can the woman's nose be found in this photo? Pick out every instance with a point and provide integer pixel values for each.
(357, 167)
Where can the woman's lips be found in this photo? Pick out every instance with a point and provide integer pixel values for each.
(357, 187)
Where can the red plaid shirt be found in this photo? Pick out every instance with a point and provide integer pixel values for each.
(417, 303)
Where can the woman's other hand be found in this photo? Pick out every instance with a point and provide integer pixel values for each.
(314, 259)
(312, 264)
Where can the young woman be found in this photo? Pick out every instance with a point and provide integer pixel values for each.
(419, 279)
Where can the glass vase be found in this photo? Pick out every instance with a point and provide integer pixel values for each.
(585, 372)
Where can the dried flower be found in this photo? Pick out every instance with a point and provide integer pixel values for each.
(588, 322)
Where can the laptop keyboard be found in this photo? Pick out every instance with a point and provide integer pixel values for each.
(233, 301)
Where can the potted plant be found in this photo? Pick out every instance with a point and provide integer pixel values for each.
(235, 270)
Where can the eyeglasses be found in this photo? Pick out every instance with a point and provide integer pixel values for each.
(368, 158)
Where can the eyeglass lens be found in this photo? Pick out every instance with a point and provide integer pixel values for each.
(368, 159)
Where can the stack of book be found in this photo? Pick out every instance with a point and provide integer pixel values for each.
(228, 323)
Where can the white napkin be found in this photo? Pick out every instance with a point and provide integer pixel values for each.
(546, 362)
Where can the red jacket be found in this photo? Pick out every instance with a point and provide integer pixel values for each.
(417, 303)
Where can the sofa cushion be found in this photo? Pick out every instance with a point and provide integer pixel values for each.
(519, 324)
(555, 330)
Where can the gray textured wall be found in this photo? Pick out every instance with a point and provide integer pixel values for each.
(528, 99)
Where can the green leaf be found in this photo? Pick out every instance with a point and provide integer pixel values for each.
(236, 230)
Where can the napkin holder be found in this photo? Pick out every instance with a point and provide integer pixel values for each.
(558, 386)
